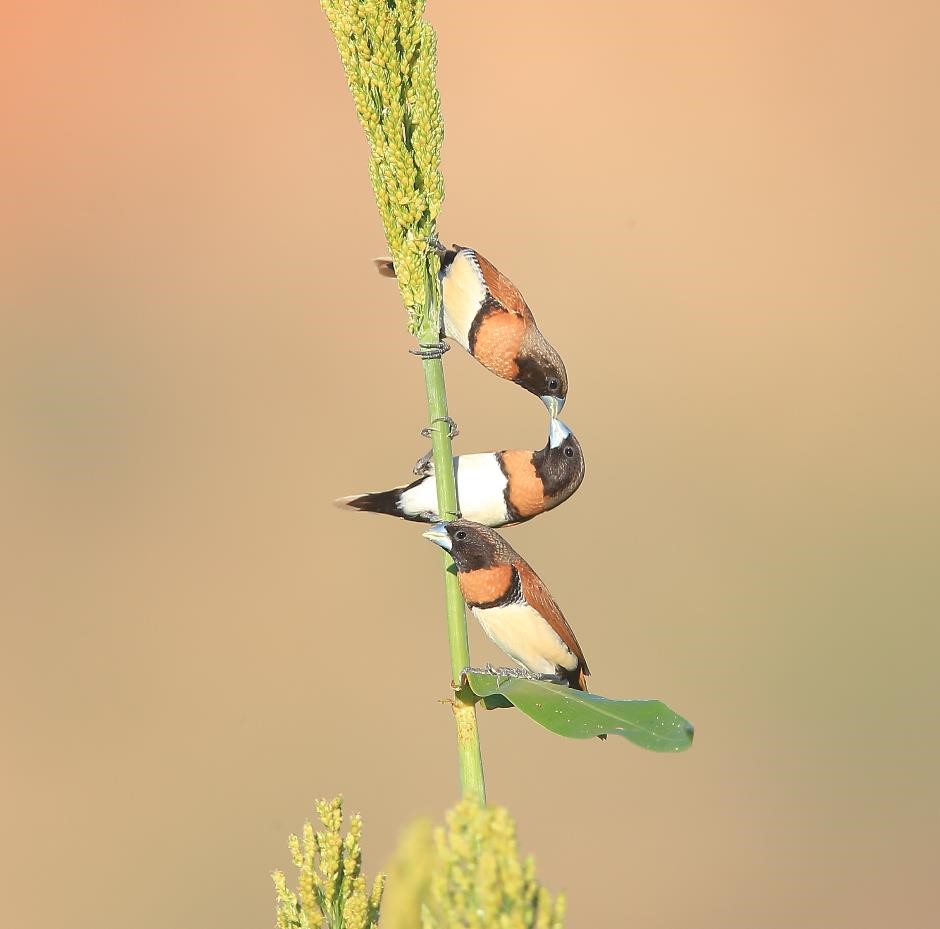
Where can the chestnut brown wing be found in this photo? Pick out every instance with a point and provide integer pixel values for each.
(538, 597)
(503, 289)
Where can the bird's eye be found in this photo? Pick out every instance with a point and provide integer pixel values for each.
(460, 535)
(553, 383)
(569, 452)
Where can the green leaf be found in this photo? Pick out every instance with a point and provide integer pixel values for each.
(577, 715)
(495, 701)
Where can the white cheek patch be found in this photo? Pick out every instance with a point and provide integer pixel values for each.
(463, 291)
(480, 491)
(523, 634)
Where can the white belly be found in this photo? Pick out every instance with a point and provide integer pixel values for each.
(526, 637)
(462, 292)
(480, 487)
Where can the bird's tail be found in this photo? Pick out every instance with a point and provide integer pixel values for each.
(386, 266)
(385, 501)
(390, 502)
(577, 679)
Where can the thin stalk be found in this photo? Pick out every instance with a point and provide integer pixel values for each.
(389, 54)
(468, 737)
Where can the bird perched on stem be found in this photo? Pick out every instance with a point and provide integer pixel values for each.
(485, 313)
(512, 604)
(493, 488)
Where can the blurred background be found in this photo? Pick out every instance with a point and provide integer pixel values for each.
(726, 216)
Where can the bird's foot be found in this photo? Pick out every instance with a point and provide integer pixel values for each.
(424, 465)
(436, 244)
(452, 429)
(429, 350)
(520, 673)
(486, 669)
(526, 675)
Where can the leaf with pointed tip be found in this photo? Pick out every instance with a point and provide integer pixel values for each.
(578, 715)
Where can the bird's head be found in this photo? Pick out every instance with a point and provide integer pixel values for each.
(560, 464)
(541, 371)
(471, 545)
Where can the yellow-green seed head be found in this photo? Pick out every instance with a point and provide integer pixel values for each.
(389, 53)
(476, 878)
(331, 891)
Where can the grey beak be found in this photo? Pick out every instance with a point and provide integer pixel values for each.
(554, 405)
(557, 433)
(438, 535)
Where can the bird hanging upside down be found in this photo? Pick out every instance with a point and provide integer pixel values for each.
(485, 313)
(493, 488)
(512, 604)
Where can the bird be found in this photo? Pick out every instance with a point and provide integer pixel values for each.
(493, 488)
(483, 311)
(512, 604)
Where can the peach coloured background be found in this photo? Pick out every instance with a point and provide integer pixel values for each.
(727, 217)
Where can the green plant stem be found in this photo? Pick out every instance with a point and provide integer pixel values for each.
(389, 54)
(464, 704)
